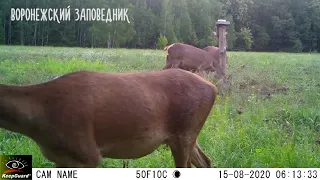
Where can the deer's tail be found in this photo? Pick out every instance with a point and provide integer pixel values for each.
(166, 48)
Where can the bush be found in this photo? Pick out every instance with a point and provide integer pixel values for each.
(297, 47)
(162, 42)
(244, 39)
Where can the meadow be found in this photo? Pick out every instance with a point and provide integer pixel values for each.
(268, 118)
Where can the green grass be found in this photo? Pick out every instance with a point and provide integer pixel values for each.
(276, 129)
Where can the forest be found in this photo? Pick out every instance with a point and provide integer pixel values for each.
(255, 25)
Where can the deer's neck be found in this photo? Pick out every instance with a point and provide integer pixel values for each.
(19, 111)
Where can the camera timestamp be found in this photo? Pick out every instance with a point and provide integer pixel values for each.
(272, 173)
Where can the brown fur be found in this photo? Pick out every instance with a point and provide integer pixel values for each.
(214, 51)
(190, 58)
(81, 117)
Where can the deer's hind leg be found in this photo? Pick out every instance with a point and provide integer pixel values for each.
(198, 158)
(180, 149)
(125, 163)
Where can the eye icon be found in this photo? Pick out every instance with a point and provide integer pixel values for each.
(14, 164)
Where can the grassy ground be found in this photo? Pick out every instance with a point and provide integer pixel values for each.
(277, 93)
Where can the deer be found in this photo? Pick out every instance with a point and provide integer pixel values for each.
(81, 117)
(215, 52)
(190, 58)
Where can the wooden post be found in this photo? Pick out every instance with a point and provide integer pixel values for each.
(221, 25)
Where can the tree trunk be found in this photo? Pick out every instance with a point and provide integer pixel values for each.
(92, 40)
(22, 34)
(42, 33)
(109, 41)
(48, 34)
(35, 34)
(79, 34)
(9, 34)
(4, 28)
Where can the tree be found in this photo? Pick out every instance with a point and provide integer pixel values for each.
(162, 42)
(146, 34)
(1, 31)
(298, 45)
(244, 39)
(167, 17)
(184, 28)
(274, 25)
(231, 36)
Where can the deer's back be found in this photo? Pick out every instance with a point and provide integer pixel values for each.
(190, 55)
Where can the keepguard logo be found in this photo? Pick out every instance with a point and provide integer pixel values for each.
(15, 167)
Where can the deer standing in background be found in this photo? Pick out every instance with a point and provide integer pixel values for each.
(191, 58)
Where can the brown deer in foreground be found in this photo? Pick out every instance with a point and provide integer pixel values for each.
(81, 117)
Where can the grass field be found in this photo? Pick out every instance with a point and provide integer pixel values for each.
(279, 94)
